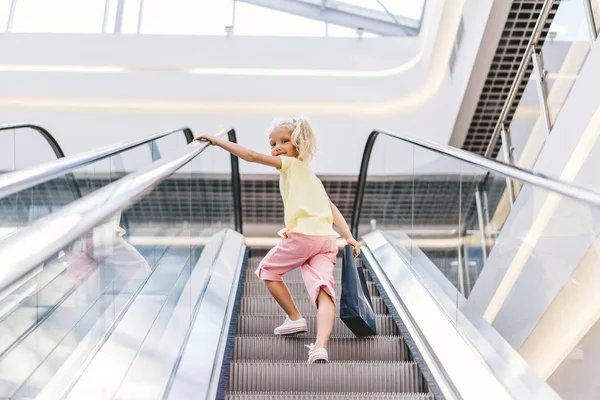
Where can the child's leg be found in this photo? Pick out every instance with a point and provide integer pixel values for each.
(279, 261)
(281, 294)
(317, 273)
(325, 319)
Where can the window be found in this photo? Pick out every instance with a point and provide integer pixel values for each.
(4, 11)
(258, 21)
(72, 16)
(198, 17)
(404, 8)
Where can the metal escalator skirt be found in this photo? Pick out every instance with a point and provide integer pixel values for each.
(197, 374)
(122, 343)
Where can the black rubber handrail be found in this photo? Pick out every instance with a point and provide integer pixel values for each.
(58, 151)
(42, 131)
(523, 175)
(236, 184)
(189, 137)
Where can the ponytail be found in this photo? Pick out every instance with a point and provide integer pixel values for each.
(303, 137)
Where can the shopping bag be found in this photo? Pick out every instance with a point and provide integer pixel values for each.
(356, 310)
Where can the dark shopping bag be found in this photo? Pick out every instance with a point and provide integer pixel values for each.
(356, 310)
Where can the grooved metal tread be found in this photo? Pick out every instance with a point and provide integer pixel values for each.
(257, 324)
(295, 275)
(270, 347)
(320, 396)
(335, 376)
(296, 288)
(266, 366)
(266, 305)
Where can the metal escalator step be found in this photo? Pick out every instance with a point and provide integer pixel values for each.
(295, 275)
(320, 396)
(252, 288)
(255, 260)
(268, 305)
(264, 325)
(270, 376)
(376, 348)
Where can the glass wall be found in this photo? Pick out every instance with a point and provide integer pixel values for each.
(113, 305)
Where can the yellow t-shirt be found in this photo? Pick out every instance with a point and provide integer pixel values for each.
(306, 204)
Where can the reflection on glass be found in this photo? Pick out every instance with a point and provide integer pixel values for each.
(114, 305)
(438, 194)
(532, 272)
(23, 208)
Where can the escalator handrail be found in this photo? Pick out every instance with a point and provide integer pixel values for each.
(14, 182)
(58, 152)
(236, 185)
(534, 178)
(34, 244)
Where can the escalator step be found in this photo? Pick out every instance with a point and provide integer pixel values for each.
(252, 288)
(261, 376)
(292, 276)
(264, 325)
(377, 348)
(268, 305)
(323, 396)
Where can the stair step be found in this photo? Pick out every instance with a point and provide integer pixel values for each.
(253, 288)
(265, 324)
(296, 275)
(268, 305)
(376, 348)
(292, 276)
(260, 376)
(319, 396)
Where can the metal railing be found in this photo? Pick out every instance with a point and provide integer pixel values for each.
(14, 182)
(535, 56)
(510, 171)
(32, 245)
(58, 152)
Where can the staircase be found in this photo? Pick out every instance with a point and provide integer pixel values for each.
(264, 366)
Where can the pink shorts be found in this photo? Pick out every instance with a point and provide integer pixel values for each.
(316, 255)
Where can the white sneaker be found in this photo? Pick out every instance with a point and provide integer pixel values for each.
(290, 327)
(319, 355)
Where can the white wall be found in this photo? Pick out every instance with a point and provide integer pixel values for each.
(91, 90)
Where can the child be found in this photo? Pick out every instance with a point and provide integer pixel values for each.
(309, 240)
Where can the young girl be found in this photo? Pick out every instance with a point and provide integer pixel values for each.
(309, 240)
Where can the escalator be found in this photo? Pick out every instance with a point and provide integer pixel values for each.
(173, 310)
(267, 367)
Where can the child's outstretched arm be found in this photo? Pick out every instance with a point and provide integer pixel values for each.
(242, 152)
(340, 222)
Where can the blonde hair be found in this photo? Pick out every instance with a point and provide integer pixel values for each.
(303, 137)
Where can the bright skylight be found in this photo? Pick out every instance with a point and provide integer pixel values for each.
(58, 16)
(4, 10)
(191, 17)
(404, 8)
(258, 21)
